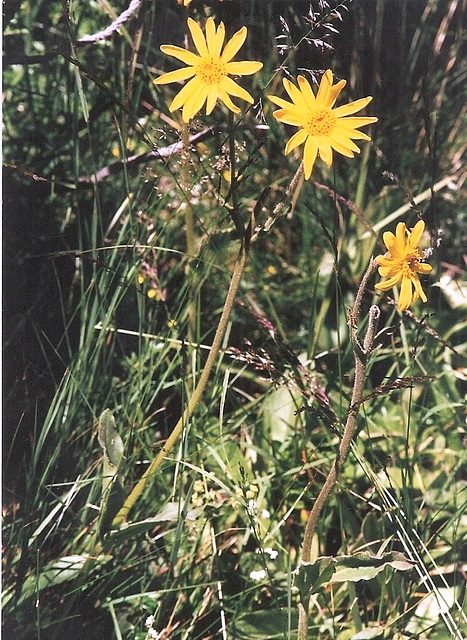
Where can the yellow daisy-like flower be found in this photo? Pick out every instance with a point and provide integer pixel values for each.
(403, 263)
(210, 69)
(322, 127)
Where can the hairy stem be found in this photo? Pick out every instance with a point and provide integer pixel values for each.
(361, 353)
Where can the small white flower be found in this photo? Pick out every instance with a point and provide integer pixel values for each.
(252, 507)
(272, 553)
(258, 575)
(265, 514)
(149, 621)
(152, 633)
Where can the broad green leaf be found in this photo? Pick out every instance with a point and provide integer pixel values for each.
(311, 576)
(369, 634)
(109, 439)
(170, 513)
(365, 566)
(113, 495)
(62, 570)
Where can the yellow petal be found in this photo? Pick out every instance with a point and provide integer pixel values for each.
(297, 139)
(289, 117)
(281, 102)
(418, 288)
(198, 36)
(175, 76)
(416, 234)
(245, 68)
(224, 96)
(194, 103)
(389, 284)
(424, 268)
(325, 150)
(212, 93)
(214, 39)
(405, 297)
(181, 54)
(309, 155)
(234, 45)
(234, 89)
(353, 107)
(295, 95)
(185, 94)
(307, 92)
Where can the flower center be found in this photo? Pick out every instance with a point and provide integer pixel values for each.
(320, 122)
(211, 71)
(410, 263)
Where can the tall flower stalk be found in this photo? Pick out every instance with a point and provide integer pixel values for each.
(361, 354)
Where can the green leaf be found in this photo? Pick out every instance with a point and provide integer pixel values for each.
(170, 513)
(113, 494)
(62, 570)
(266, 624)
(311, 576)
(375, 633)
(365, 566)
(109, 439)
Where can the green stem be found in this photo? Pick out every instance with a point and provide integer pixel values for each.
(190, 234)
(361, 353)
(197, 393)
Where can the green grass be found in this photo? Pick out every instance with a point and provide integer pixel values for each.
(118, 317)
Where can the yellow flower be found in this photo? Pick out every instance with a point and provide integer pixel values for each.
(402, 263)
(210, 69)
(322, 127)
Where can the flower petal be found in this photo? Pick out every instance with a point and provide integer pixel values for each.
(296, 95)
(181, 54)
(327, 93)
(280, 102)
(234, 89)
(214, 39)
(234, 45)
(224, 96)
(353, 107)
(175, 76)
(297, 139)
(389, 284)
(198, 37)
(343, 145)
(212, 94)
(185, 94)
(416, 235)
(289, 117)
(194, 103)
(307, 92)
(245, 68)
(309, 155)
(325, 150)
(424, 268)
(406, 296)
